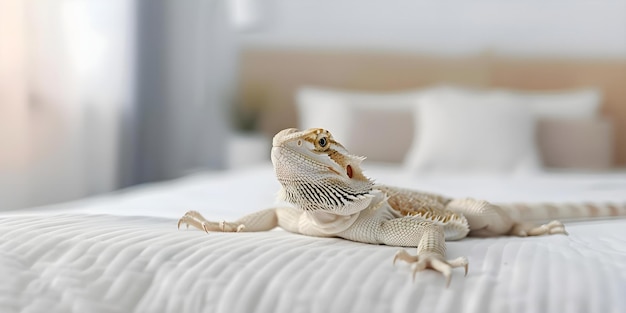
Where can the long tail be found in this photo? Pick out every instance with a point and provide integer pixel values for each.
(562, 211)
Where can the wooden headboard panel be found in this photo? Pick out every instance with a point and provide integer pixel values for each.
(269, 79)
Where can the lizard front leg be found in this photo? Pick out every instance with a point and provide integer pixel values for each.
(264, 220)
(429, 240)
(257, 221)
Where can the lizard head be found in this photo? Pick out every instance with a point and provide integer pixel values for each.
(318, 173)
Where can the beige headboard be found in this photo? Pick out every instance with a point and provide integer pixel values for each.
(269, 79)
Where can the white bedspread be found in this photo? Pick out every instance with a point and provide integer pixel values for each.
(123, 253)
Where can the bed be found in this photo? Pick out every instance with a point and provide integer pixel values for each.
(122, 252)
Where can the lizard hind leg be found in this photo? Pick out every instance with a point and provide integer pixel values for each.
(488, 220)
(484, 218)
(524, 229)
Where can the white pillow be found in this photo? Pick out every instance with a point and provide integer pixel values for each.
(462, 132)
(335, 109)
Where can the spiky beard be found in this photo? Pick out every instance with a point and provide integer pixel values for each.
(330, 195)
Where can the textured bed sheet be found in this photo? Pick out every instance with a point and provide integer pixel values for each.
(123, 253)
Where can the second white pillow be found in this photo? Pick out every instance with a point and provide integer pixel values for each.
(463, 132)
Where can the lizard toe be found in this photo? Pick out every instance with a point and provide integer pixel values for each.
(434, 262)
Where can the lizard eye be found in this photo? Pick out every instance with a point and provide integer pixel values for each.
(349, 171)
(322, 143)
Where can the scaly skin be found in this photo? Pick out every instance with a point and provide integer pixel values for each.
(331, 197)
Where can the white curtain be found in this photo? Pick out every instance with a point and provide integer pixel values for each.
(186, 59)
(99, 94)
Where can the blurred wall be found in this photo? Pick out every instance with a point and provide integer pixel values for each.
(528, 28)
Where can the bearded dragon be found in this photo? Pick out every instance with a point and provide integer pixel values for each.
(329, 196)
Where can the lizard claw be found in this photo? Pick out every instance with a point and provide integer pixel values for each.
(432, 261)
(404, 256)
(192, 218)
